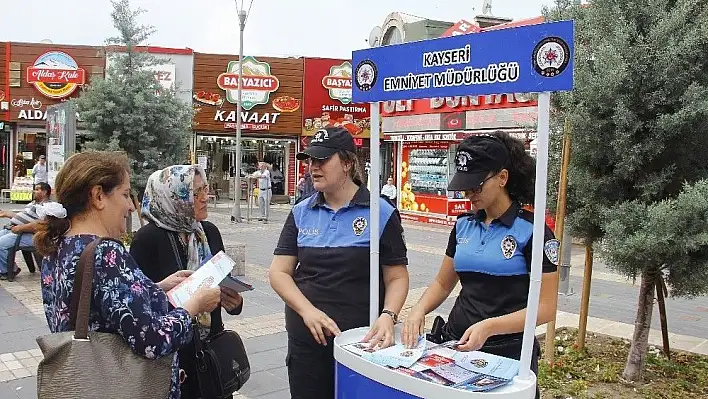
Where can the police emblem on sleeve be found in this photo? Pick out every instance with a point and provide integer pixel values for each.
(551, 249)
(508, 247)
(359, 225)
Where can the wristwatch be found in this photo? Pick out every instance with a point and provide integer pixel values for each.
(390, 313)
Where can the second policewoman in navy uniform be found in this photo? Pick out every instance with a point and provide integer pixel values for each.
(321, 265)
(489, 253)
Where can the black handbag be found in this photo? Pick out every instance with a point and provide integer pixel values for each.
(222, 363)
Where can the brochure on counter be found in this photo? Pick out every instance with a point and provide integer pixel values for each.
(442, 364)
(214, 272)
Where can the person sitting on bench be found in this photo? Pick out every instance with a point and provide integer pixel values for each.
(23, 224)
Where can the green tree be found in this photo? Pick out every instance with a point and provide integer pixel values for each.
(129, 110)
(639, 114)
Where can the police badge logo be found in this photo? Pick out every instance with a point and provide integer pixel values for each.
(463, 159)
(551, 57)
(552, 249)
(365, 75)
(508, 247)
(359, 225)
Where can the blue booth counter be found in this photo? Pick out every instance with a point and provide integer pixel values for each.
(357, 378)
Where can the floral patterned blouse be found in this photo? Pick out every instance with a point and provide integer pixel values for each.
(124, 301)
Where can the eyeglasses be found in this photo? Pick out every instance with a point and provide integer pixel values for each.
(316, 161)
(203, 190)
(479, 188)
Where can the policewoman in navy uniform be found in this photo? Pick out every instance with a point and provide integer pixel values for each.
(489, 253)
(321, 265)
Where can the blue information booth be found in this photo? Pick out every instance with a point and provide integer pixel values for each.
(527, 59)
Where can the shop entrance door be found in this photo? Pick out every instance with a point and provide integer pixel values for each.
(386, 151)
(5, 159)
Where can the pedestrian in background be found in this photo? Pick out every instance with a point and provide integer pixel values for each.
(39, 171)
(321, 265)
(390, 190)
(265, 184)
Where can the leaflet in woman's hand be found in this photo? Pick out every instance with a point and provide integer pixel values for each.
(212, 273)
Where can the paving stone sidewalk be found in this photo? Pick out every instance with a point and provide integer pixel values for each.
(262, 325)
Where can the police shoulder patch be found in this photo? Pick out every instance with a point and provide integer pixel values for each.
(359, 225)
(508, 246)
(552, 250)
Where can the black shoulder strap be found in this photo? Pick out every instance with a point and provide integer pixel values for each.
(175, 249)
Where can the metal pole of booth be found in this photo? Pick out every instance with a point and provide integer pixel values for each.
(539, 223)
(374, 218)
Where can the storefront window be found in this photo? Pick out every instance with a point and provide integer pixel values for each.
(5, 159)
(219, 155)
(30, 145)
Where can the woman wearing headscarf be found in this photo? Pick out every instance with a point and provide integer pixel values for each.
(177, 237)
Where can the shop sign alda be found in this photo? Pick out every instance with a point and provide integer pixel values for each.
(256, 83)
(29, 109)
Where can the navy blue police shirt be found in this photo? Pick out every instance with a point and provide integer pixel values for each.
(332, 249)
(493, 263)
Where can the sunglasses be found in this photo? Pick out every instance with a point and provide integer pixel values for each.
(479, 188)
(316, 161)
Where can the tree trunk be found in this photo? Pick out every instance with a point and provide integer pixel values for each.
(661, 294)
(138, 210)
(634, 369)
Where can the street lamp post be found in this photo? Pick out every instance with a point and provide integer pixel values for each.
(236, 210)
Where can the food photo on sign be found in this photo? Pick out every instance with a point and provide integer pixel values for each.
(328, 98)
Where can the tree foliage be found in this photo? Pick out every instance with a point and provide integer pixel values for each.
(670, 236)
(639, 110)
(129, 110)
(638, 117)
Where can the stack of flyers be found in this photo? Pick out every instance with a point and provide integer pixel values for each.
(412, 373)
(359, 348)
(471, 371)
(431, 360)
(397, 355)
(215, 271)
(483, 383)
(485, 363)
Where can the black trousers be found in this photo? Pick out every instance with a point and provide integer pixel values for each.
(310, 369)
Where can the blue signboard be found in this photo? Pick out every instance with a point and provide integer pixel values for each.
(526, 59)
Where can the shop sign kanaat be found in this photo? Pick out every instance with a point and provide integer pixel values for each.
(249, 120)
(56, 74)
(256, 83)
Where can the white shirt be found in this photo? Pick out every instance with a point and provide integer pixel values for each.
(389, 190)
(263, 179)
(40, 173)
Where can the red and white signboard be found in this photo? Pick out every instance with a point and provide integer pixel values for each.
(56, 74)
(462, 27)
